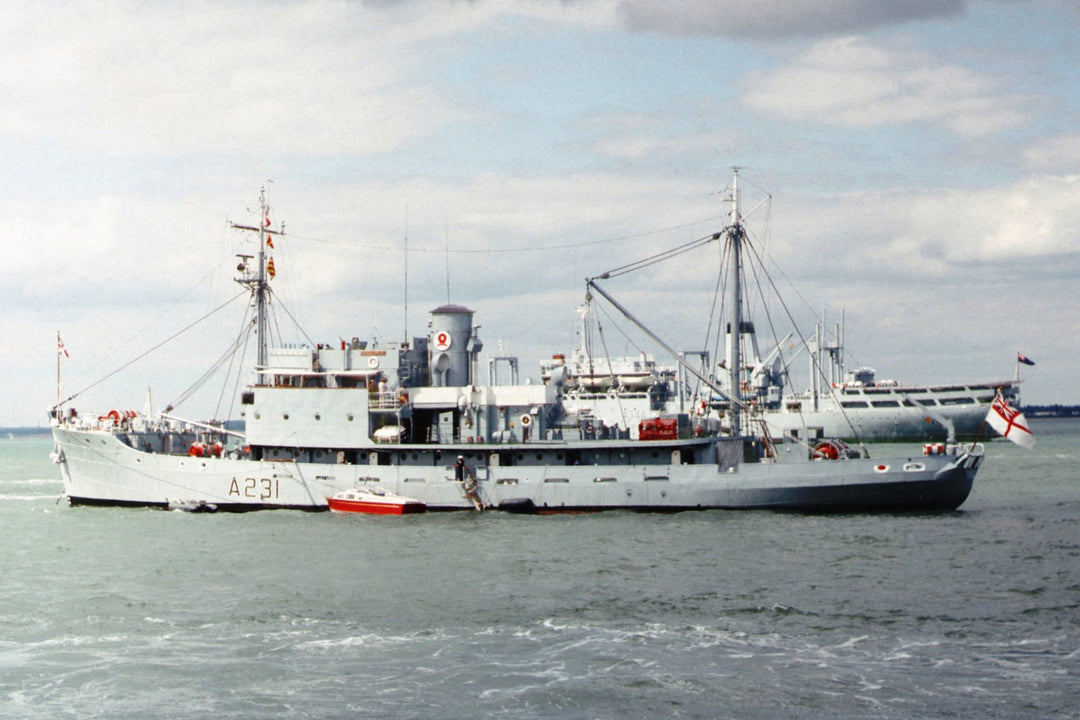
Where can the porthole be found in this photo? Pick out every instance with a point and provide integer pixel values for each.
(285, 416)
(318, 416)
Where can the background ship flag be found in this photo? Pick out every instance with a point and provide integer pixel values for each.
(1010, 422)
(1022, 358)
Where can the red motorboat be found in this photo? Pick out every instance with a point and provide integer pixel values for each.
(374, 501)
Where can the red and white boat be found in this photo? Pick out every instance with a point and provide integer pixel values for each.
(374, 501)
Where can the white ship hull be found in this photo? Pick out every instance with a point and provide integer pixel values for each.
(98, 468)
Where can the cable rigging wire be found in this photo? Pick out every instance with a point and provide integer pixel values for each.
(229, 353)
(503, 250)
(164, 342)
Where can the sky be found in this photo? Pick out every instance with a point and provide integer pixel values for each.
(913, 165)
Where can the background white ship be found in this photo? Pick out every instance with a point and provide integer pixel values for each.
(854, 404)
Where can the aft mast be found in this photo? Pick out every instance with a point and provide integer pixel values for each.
(735, 237)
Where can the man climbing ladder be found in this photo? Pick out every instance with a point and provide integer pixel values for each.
(463, 475)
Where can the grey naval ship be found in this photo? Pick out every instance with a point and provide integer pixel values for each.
(323, 420)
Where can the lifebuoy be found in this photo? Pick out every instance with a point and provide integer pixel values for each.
(828, 449)
(526, 420)
(373, 362)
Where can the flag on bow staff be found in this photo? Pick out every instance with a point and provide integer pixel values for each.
(1022, 358)
(1009, 422)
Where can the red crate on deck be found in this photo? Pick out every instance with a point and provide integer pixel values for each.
(658, 429)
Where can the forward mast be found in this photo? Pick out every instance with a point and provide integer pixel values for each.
(258, 280)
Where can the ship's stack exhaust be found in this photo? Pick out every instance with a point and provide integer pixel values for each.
(453, 346)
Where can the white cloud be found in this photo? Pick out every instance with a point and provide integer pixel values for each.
(1037, 217)
(915, 234)
(850, 82)
(1060, 153)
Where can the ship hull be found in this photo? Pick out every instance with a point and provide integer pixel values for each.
(99, 469)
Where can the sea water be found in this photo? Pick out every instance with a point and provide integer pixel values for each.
(134, 613)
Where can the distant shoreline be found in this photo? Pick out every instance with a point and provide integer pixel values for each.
(1052, 411)
(24, 431)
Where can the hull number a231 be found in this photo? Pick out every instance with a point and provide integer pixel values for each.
(254, 488)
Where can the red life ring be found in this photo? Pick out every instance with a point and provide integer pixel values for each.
(828, 449)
